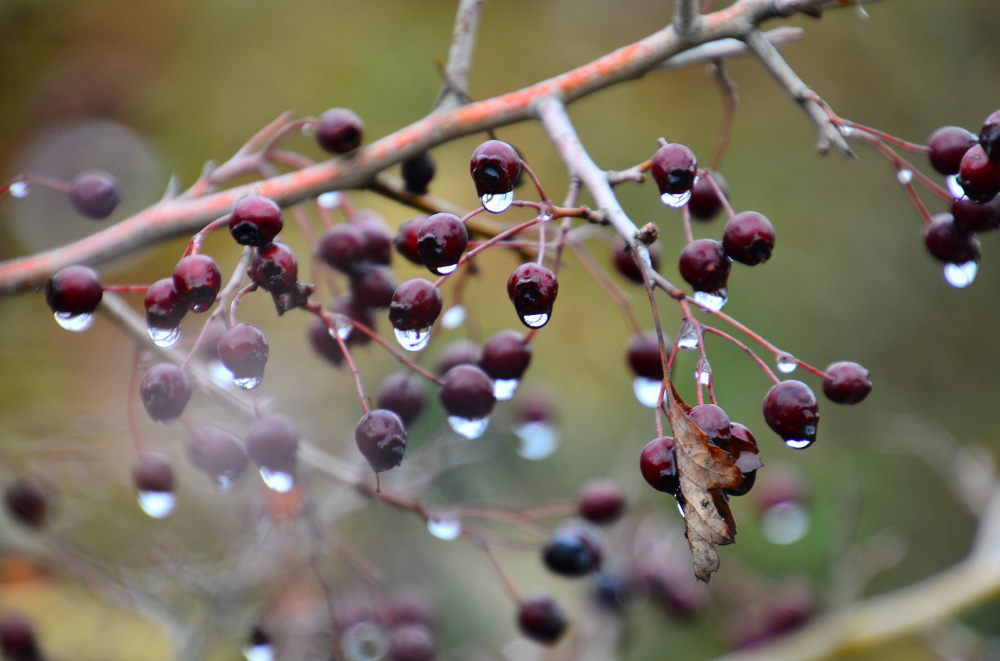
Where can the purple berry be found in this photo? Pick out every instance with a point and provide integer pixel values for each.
(403, 395)
(748, 238)
(970, 217)
(658, 465)
(572, 552)
(601, 502)
(705, 266)
(705, 203)
(532, 289)
(274, 268)
(506, 355)
(542, 620)
(674, 169)
(847, 383)
(381, 438)
(218, 453)
(272, 443)
(947, 244)
(339, 131)
(243, 349)
(643, 355)
(153, 472)
(255, 221)
(467, 392)
(948, 145)
(94, 194)
(415, 305)
(73, 291)
(989, 137)
(342, 247)
(406, 239)
(712, 420)
(373, 286)
(495, 167)
(441, 241)
(164, 306)
(165, 391)
(791, 410)
(27, 501)
(418, 171)
(197, 279)
(979, 177)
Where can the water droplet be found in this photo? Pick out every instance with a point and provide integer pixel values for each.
(960, 275)
(504, 389)
(713, 302)
(647, 391)
(329, 200)
(223, 483)
(537, 440)
(157, 504)
(413, 340)
(445, 270)
(675, 201)
(954, 188)
(454, 317)
(342, 328)
(785, 523)
(258, 653)
(469, 428)
(19, 189)
(904, 177)
(365, 641)
(798, 443)
(220, 373)
(680, 508)
(164, 337)
(704, 377)
(535, 320)
(277, 480)
(688, 337)
(787, 363)
(497, 203)
(444, 528)
(248, 383)
(74, 322)
(846, 131)
(309, 129)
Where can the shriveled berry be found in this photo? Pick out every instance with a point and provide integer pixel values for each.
(153, 472)
(979, 177)
(948, 145)
(243, 349)
(342, 247)
(626, 265)
(947, 244)
(402, 394)
(197, 279)
(542, 620)
(441, 242)
(791, 410)
(164, 306)
(743, 447)
(458, 352)
(712, 420)
(989, 137)
(406, 239)
(165, 391)
(217, 453)
(272, 443)
(73, 291)
(27, 501)
(705, 266)
(658, 465)
(415, 305)
(373, 286)
(255, 221)
(467, 392)
(748, 238)
(274, 268)
(418, 171)
(411, 642)
(847, 383)
(495, 167)
(971, 217)
(705, 203)
(94, 194)
(600, 501)
(17, 639)
(674, 169)
(643, 355)
(572, 552)
(339, 130)
(532, 289)
(381, 438)
(506, 355)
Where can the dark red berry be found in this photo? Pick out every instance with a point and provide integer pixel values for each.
(712, 420)
(402, 394)
(704, 202)
(73, 291)
(342, 247)
(217, 453)
(542, 620)
(791, 410)
(27, 501)
(274, 268)
(255, 221)
(164, 306)
(94, 194)
(351, 307)
(674, 168)
(165, 391)
(381, 438)
(153, 472)
(197, 279)
(743, 447)
(324, 343)
(495, 167)
(406, 239)
(506, 355)
(415, 305)
(418, 171)
(658, 465)
(971, 217)
(243, 350)
(704, 266)
(601, 501)
(947, 244)
(467, 392)
(748, 238)
(572, 552)
(375, 234)
(411, 642)
(272, 443)
(979, 177)
(339, 130)
(532, 289)
(948, 145)
(373, 286)
(441, 242)
(989, 137)
(17, 639)
(847, 383)
(626, 265)
(458, 352)
(643, 356)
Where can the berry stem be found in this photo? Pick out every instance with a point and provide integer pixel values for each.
(764, 366)
(486, 244)
(686, 215)
(236, 301)
(501, 575)
(534, 180)
(218, 312)
(902, 144)
(686, 310)
(541, 241)
(718, 193)
(195, 244)
(729, 93)
(282, 133)
(335, 332)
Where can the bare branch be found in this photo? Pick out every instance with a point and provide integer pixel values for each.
(687, 17)
(726, 49)
(455, 91)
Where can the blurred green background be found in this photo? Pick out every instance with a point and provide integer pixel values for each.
(163, 87)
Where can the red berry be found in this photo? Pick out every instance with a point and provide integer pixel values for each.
(949, 245)
(373, 286)
(406, 239)
(790, 409)
(73, 291)
(601, 502)
(27, 501)
(743, 447)
(342, 247)
(989, 137)
(375, 234)
(847, 383)
(948, 145)
(458, 352)
(255, 221)
(704, 202)
(403, 395)
(979, 177)
(243, 350)
(153, 472)
(274, 268)
(94, 194)
(643, 356)
(339, 131)
(441, 241)
(165, 391)
(704, 266)
(674, 169)
(506, 355)
(712, 420)
(164, 306)
(971, 217)
(418, 171)
(572, 552)
(17, 639)
(495, 167)
(658, 465)
(532, 289)
(542, 620)
(197, 279)
(467, 392)
(748, 238)
(627, 266)
(415, 305)
(217, 453)
(272, 443)
(381, 438)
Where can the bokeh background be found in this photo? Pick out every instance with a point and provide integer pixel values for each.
(145, 89)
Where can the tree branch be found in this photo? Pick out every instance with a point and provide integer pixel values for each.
(687, 17)
(455, 91)
(726, 49)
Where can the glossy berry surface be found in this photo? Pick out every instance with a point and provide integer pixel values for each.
(712, 420)
(441, 241)
(467, 392)
(705, 266)
(674, 168)
(27, 501)
(272, 443)
(197, 279)
(418, 171)
(495, 167)
(74, 290)
(791, 410)
(971, 217)
(601, 502)
(255, 221)
(947, 244)
(403, 395)
(458, 352)
(17, 639)
(94, 195)
(274, 268)
(572, 552)
(164, 306)
(626, 265)
(342, 247)
(381, 438)
(339, 130)
(376, 236)
(658, 465)
(742, 446)
(415, 305)
(748, 238)
(532, 289)
(165, 391)
(506, 355)
(948, 145)
(542, 620)
(989, 137)
(848, 383)
(217, 453)
(243, 349)
(373, 286)
(979, 177)
(643, 356)
(153, 472)
(704, 203)
(411, 641)
(406, 239)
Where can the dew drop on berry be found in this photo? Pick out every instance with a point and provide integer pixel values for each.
(454, 317)
(688, 337)
(469, 428)
(535, 320)
(676, 201)
(259, 652)
(784, 523)
(647, 391)
(504, 389)
(954, 187)
(364, 641)
(497, 203)
(164, 337)
(787, 364)
(798, 443)
(220, 373)
(157, 504)
(343, 326)
(444, 528)
(904, 177)
(74, 322)
(329, 200)
(19, 189)
(248, 383)
(536, 440)
(445, 270)
(413, 340)
(960, 275)
(277, 480)
(714, 302)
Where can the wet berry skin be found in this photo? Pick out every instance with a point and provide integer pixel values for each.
(704, 203)
(406, 239)
(411, 641)
(532, 289)
(674, 168)
(415, 305)
(458, 352)
(165, 391)
(542, 620)
(17, 639)
(74, 290)
(381, 438)
(601, 502)
(948, 145)
(506, 355)
(94, 195)
(441, 241)
(989, 137)
(418, 171)
(153, 472)
(748, 238)
(712, 420)
(791, 410)
(27, 501)
(467, 392)
(572, 552)
(627, 266)
(971, 217)
(848, 383)
(272, 443)
(342, 247)
(274, 268)
(217, 453)
(164, 306)
(403, 395)
(495, 167)
(658, 465)
(255, 221)
(373, 286)
(197, 279)
(705, 266)
(947, 244)
(742, 443)
(339, 130)
(643, 355)
(979, 177)
(243, 349)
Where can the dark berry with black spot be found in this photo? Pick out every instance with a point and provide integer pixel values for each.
(495, 167)
(971, 217)
(274, 268)
(73, 291)
(948, 145)
(674, 169)
(506, 355)
(601, 502)
(17, 639)
(164, 306)
(458, 352)
(406, 239)
(643, 355)
(705, 266)
(572, 552)
(791, 410)
(714, 421)
(342, 247)
(705, 203)
(415, 305)
(272, 443)
(165, 391)
(978, 176)
(381, 438)
(402, 394)
(375, 234)
(658, 465)
(339, 130)
(847, 383)
(94, 195)
(216, 452)
(626, 265)
(532, 289)
(947, 244)
(373, 286)
(243, 349)
(255, 221)
(542, 620)
(27, 501)
(989, 137)
(748, 238)
(418, 171)
(441, 242)
(467, 392)
(197, 279)
(153, 472)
